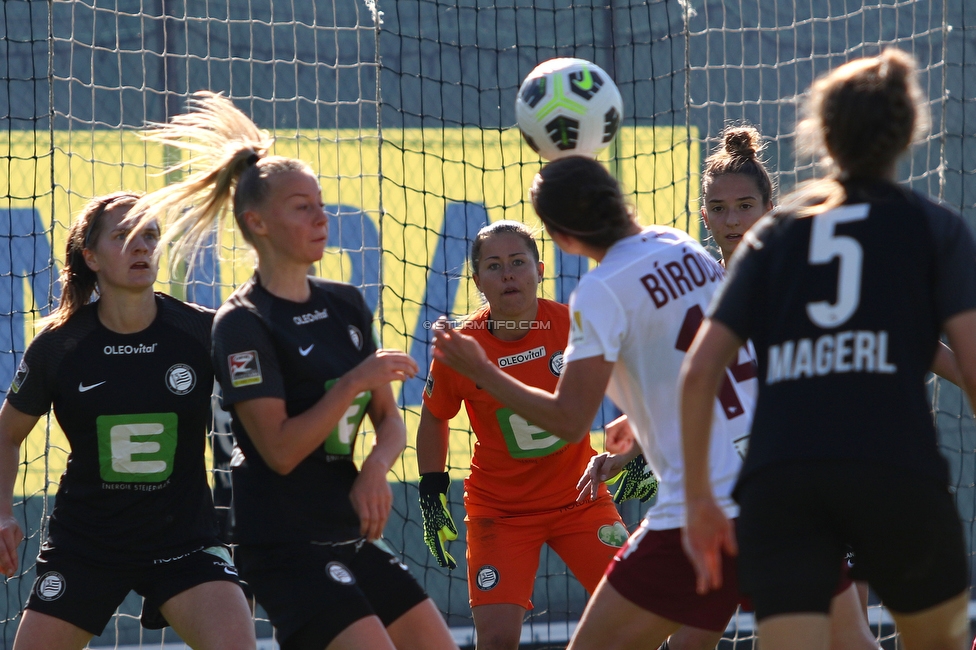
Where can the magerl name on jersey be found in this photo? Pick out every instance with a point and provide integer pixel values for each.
(840, 352)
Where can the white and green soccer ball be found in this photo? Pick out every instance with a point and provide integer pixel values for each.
(568, 107)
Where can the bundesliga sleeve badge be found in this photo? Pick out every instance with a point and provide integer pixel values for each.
(244, 368)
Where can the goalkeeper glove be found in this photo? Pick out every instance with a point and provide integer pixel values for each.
(637, 481)
(438, 525)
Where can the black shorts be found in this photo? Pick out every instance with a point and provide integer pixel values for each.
(86, 592)
(798, 518)
(314, 591)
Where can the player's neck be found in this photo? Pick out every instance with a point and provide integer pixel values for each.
(127, 313)
(512, 327)
(289, 282)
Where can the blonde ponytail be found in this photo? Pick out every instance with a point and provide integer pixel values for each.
(224, 145)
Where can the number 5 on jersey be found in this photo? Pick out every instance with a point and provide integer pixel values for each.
(341, 439)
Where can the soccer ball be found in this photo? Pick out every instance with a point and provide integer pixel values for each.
(568, 107)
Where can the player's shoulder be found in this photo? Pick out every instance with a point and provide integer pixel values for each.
(82, 323)
(340, 290)
(185, 311)
(550, 310)
(247, 302)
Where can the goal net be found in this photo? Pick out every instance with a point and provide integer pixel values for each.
(405, 109)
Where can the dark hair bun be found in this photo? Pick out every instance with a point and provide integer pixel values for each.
(742, 141)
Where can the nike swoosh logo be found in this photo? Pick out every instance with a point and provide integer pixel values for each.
(304, 351)
(586, 82)
(230, 572)
(84, 389)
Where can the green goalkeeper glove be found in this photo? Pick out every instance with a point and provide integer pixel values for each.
(438, 525)
(637, 481)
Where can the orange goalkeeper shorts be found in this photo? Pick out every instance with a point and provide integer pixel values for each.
(503, 552)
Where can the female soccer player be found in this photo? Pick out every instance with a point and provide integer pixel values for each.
(523, 479)
(632, 317)
(299, 369)
(130, 380)
(843, 447)
(736, 189)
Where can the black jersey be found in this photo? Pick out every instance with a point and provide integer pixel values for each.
(845, 309)
(135, 409)
(265, 346)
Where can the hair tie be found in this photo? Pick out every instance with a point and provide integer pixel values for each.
(252, 159)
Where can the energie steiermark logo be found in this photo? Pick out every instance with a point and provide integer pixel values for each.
(136, 448)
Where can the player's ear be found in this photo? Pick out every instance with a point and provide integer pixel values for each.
(90, 259)
(541, 268)
(477, 281)
(704, 216)
(254, 222)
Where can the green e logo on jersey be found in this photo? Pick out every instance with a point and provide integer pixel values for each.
(136, 448)
(341, 439)
(526, 440)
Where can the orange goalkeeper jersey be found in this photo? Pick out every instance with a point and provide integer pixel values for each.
(517, 467)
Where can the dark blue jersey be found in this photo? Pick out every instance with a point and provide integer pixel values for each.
(265, 346)
(845, 309)
(135, 409)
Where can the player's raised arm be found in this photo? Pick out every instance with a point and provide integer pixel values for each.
(567, 413)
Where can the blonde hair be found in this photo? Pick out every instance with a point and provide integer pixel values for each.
(739, 154)
(229, 156)
(78, 281)
(859, 119)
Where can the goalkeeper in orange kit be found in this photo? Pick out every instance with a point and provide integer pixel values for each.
(522, 491)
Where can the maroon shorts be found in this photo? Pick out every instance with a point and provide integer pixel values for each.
(653, 572)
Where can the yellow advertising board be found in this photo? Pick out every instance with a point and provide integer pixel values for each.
(403, 208)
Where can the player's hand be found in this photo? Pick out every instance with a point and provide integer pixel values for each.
(438, 524)
(600, 468)
(637, 481)
(11, 536)
(619, 436)
(372, 499)
(707, 533)
(381, 368)
(458, 351)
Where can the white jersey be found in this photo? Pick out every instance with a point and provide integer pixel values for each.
(640, 309)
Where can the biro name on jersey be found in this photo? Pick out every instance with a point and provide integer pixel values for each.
(305, 319)
(851, 351)
(674, 278)
(142, 348)
(522, 357)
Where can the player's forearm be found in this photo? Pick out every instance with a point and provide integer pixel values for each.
(9, 462)
(432, 443)
(391, 440)
(283, 441)
(14, 429)
(563, 417)
(698, 391)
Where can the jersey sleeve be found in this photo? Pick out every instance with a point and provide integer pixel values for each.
(597, 323)
(32, 391)
(735, 302)
(955, 259)
(440, 394)
(244, 357)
